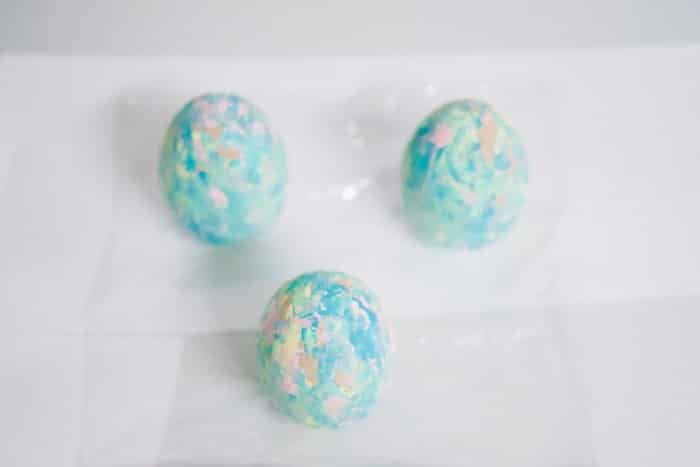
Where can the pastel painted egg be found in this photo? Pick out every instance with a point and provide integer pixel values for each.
(463, 176)
(222, 168)
(322, 349)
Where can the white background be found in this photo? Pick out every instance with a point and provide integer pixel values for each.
(627, 263)
(332, 28)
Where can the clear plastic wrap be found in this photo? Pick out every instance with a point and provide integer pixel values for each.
(167, 323)
(343, 212)
(494, 389)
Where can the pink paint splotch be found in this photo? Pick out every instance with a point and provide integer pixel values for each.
(333, 406)
(441, 136)
(219, 197)
(289, 386)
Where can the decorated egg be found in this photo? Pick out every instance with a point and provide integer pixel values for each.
(223, 169)
(464, 174)
(322, 349)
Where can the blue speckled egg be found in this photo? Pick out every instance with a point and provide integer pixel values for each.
(322, 349)
(463, 174)
(222, 168)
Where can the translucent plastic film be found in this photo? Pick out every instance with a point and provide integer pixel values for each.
(343, 212)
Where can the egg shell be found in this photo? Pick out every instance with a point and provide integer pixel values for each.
(322, 349)
(464, 174)
(222, 168)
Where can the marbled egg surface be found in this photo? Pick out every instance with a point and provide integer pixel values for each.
(222, 168)
(322, 348)
(464, 174)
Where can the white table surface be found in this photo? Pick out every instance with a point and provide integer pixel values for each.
(626, 288)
